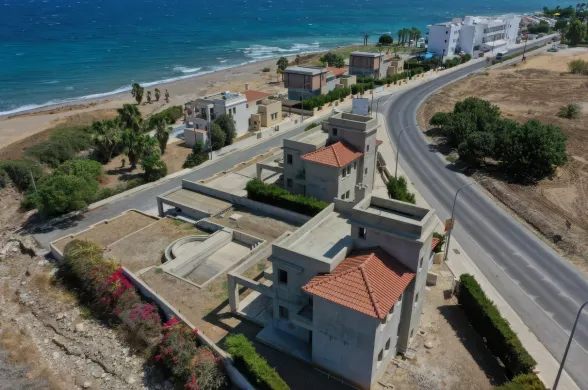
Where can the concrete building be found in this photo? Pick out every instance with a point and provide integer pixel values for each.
(345, 290)
(304, 82)
(335, 162)
(269, 113)
(474, 33)
(199, 114)
(374, 65)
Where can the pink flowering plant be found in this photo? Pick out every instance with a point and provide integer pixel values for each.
(197, 367)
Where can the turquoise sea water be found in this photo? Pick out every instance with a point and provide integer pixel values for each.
(56, 50)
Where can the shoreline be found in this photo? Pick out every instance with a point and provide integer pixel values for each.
(105, 97)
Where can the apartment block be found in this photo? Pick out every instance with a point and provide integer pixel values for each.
(304, 82)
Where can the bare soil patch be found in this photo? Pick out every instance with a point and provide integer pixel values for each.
(145, 247)
(105, 233)
(537, 89)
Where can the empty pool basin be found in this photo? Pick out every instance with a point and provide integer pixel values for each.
(182, 246)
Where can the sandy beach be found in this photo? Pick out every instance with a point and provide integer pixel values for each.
(16, 130)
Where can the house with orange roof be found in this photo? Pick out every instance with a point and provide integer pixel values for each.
(336, 160)
(345, 290)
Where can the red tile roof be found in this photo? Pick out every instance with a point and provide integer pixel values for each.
(337, 155)
(253, 96)
(379, 142)
(337, 71)
(370, 281)
(434, 243)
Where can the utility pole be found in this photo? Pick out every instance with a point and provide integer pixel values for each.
(525, 48)
(563, 360)
(451, 220)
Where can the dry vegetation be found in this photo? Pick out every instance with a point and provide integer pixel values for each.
(537, 90)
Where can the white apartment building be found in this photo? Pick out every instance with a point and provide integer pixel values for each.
(473, 33)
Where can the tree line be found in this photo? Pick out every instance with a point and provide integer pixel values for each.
(571, 22)
(526, 152)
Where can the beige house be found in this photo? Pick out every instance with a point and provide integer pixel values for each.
(375, 65)
(269, 113)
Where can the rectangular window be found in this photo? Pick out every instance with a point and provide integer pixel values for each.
(347, 195)
(380, 355)
(234, 110)
(416, 298)
(421, 263)
(334, 131)
(289, 182)
(284, 313)
(367, 148)
(348, 169)
(401, 296)
(282, 276)
(387, 347)
(354, 165)
(289, 159)
(362, 233)
(344, 172)
(366, 171)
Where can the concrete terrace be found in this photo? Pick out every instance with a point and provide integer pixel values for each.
(325, 239)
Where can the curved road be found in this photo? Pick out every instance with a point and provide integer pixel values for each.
(542, 287)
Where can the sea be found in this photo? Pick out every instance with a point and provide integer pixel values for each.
(55, 51)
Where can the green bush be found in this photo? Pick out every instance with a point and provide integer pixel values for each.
(523, 382)
(197, 157)
(266, 69)
(87, 168)
(19, 172)
(398, 189)
(279, 197)
(256, 369)
(171, 115)
(217, 136)
(63, 145)
(500, 339)
(578, 66)
(59, 194)
(321, 100)
(441, 237)
(154, 167)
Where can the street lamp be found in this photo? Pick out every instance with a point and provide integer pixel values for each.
(451, 220)
(398, 149)
(563, 360)
(525, 48)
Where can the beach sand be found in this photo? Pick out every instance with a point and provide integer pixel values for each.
(19, 131)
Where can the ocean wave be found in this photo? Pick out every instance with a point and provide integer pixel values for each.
(51, 82)
(260, 52)
(183, 69)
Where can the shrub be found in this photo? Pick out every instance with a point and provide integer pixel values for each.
(523, 382)
(142, 318)
(266, 69)
(170, 115)
(397, 189)
(578, 66)
(217, 136)
(332, 59)
(154, 167)
(441, 237)
(256, 368)
(386, 40)
(485, 318)
(571, 111)
(279, 197)
(59, 194)
(227, 125)
(197, 157)
(82, 168)
(63, 145)
(19, 172)
(196, 367)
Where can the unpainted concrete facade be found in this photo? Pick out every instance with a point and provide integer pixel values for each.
(346, 342)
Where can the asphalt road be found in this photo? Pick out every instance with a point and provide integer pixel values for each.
(146, 199)
(542, 287)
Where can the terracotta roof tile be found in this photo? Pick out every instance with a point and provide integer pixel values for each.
(370, 281)
(337, 71)
(253, 96)
(337, 155)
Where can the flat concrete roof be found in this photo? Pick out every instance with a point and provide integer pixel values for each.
(198, 201)
(315, 138)
(325, 239)
(306, 70)
(364, 54)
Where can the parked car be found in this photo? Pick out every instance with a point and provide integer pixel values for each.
(501, 54)
(481, 54)
(553, 49)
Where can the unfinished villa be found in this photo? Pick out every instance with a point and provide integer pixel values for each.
(338, 162)
(344, 292)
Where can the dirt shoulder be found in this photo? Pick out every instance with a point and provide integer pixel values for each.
(537, 90)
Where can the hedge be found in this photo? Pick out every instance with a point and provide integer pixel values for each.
(279, 197)
(255, 368)
(523, 382)
(171, 115)
(20, 171)
(500, 339)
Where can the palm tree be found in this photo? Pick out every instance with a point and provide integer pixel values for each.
(157, 94)
(130, 116)
(162, 132)
(148, 97)
(137, 92)
(106, 137)
(137, 146)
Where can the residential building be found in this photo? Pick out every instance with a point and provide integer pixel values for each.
(473, 33)
(374, 65)
(199, 114)
(304, 82)
(336, 162)
(254, 98)
(345, 290)
(269, 113)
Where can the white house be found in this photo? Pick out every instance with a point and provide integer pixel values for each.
(473, 33)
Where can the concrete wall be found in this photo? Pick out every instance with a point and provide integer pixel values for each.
(263, 207)
(348, 80)
(343, 341)
(441, 37)
(387, 330)
(322, 181)
(348, 182)
(238, 109)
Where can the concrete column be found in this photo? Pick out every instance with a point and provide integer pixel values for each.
(233, 293)
(258, 169)
(159, 207)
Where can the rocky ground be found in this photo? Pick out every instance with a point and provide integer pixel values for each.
(47, 340)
